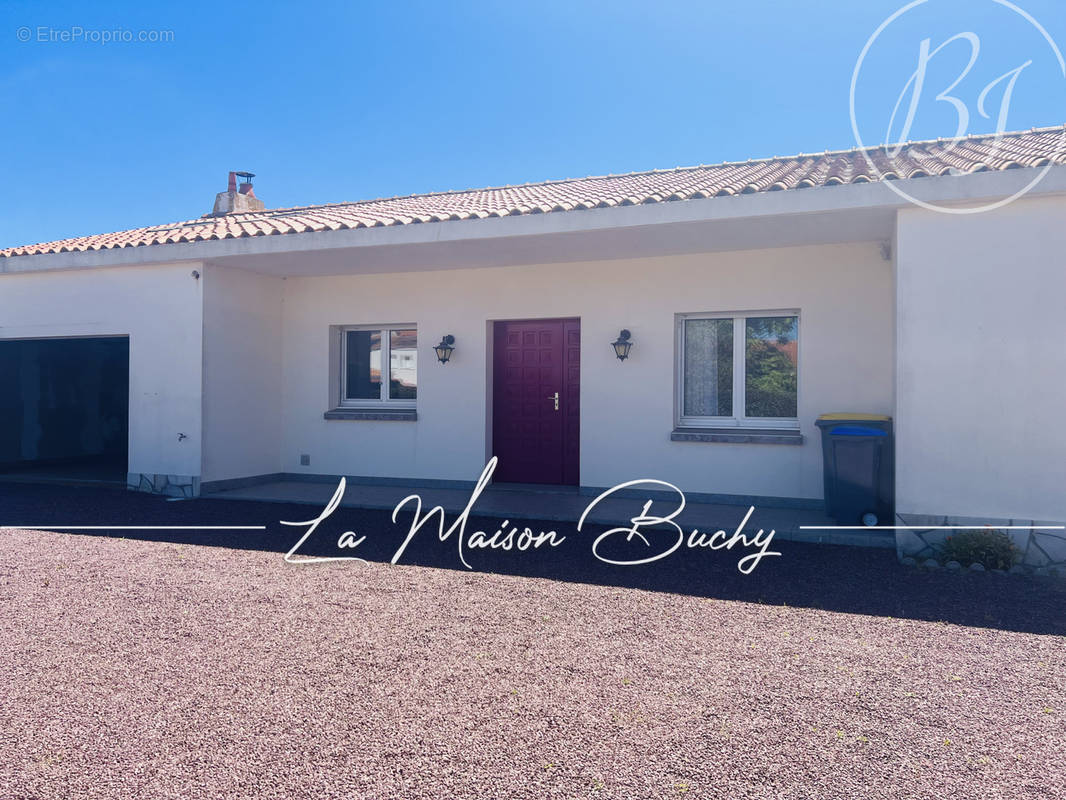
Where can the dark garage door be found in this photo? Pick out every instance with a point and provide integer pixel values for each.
(64, 408)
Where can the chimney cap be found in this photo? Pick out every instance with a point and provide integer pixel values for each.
(246, 175)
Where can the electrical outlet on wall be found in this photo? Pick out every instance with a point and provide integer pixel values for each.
(305, 460)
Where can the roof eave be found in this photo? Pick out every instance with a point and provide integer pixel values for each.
(946, 190)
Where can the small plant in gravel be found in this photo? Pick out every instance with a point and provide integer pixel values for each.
(990, 548)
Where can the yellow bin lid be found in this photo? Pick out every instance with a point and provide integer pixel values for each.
(848, 415)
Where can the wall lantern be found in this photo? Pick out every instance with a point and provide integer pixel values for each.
(622, 345)
(445, 349)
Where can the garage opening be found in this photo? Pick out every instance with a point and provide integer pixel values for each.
(64, 409)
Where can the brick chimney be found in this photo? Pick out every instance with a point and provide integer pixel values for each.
(237, 199)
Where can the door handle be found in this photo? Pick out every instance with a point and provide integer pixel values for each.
(555, 397)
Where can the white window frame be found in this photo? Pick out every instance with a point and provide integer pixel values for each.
(738, 419)
(386, 368)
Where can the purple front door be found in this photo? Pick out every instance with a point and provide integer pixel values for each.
(535, 400)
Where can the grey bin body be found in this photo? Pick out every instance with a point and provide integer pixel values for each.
(858, 456)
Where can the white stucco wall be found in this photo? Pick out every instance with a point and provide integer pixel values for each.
(242, 373)
(843, 292)
(159, 307)
(982, 362)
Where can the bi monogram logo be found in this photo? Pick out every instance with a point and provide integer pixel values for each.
(940, 72)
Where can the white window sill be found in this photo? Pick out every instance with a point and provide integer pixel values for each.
(738, 435)
(378, 414)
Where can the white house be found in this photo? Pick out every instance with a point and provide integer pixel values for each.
(758, 295)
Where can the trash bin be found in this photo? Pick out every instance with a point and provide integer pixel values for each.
(858, 458)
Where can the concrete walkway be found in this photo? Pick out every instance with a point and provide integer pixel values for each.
(519, 504)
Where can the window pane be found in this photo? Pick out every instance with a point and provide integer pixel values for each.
(363, 365)
(403, 365)
(770, 347)
(708, 368)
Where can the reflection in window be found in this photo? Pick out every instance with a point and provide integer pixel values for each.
(365, 353)
(403, 364)
(770, 356)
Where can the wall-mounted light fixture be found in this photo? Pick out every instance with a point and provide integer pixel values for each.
(445, 349)
(622, 345)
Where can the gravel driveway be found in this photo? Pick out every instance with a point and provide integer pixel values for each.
(148, 669)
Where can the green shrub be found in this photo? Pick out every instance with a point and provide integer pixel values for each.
(988, 547)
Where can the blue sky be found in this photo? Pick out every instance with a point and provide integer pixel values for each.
(330, 102)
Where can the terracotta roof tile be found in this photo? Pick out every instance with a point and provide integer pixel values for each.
(1033, 148)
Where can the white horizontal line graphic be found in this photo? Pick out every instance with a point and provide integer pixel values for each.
(930, 527)
(49, 526)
